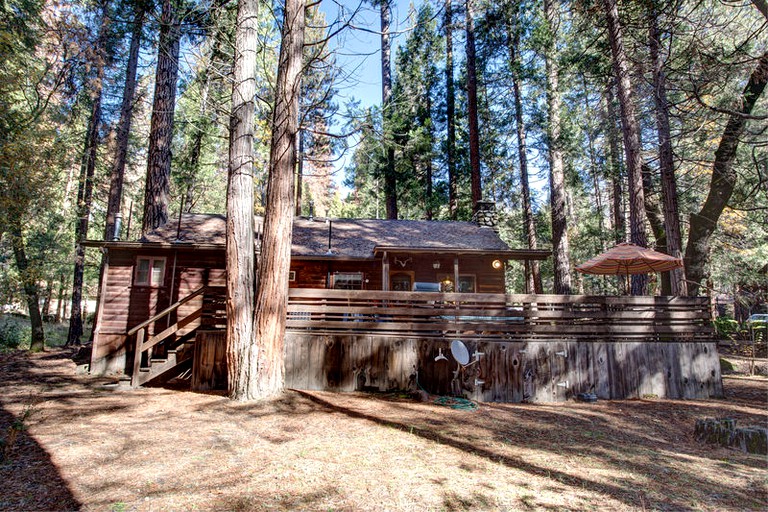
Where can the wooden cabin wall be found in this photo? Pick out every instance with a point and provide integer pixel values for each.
(507, 371)
(124, 305)
(314, 274)
(487, 279)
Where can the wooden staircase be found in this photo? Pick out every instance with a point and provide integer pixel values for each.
(159, 366)
(157, 355)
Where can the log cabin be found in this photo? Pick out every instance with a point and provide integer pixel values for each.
(384, 304)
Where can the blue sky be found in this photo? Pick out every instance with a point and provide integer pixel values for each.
(358, 48)
(358, 53)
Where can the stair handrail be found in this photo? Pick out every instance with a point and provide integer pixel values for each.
(140, 332)
(168, 310)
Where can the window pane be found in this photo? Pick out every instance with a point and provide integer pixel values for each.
(401, 283)
(158, 271)
(348, 280)
(142, 271)
(467, 284)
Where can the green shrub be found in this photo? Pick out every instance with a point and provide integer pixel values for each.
(13, 333)
(726, 327)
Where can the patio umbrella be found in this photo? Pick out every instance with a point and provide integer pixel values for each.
(628, 259)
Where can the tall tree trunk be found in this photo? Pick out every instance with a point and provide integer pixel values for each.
(614, 163)
(156, 188)
(724, 177)
(299, 172)
(29, 282)
(562, 271)
(47, 298)
(472, 113)
(272, 294)
(593, 167)
(390, 177)
(655, 217)
(631, 135)
(450, 113)
(60, 301)
(242, 351)
(197, 146)
(124, 124)
(533, 275)
(428, 186)
(673, 237)
(85, 187)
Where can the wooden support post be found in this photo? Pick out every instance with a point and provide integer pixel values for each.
(456, 274)
(137, 358)
(385, 272)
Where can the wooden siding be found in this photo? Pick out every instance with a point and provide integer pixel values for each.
(124, 305)
(506, 371)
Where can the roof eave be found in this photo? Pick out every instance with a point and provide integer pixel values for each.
(513, 254)
(152, 245)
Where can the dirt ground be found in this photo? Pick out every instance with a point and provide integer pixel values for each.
(81, 446)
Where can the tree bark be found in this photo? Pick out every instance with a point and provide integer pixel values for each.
(614, 162)
(724, 176)
(673, 238)
(114, 202)
(47, 297)
(390, 177)
(533, 276)
(428, 171)
(472, 114)
(272, 294)
(157, 185)
(60, 302)
(29, 283)
(85, 187)
(299, 172)
(197, 146)
(242, 352)
(593, 166)
(631, 135)
(450, 113)
(562, 277)
(653, 212)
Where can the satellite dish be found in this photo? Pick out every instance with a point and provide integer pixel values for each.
(460, 352)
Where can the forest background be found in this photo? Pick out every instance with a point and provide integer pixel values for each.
(478, 99)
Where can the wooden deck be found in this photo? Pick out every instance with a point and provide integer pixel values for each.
(514, 317)
(545, 348)
(538, 348)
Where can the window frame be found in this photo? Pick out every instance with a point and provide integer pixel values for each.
(149, 282)
(394, 275)
(447, 279)
(338, 273)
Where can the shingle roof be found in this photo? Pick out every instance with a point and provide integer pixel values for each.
(350, 238)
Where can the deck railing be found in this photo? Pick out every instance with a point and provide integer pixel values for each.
(512, 317)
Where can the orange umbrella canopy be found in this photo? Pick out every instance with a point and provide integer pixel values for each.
(628, 259)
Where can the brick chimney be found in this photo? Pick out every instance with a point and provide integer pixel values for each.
(485, 215)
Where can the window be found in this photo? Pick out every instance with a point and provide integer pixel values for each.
(347, 280)
(401, 281)
(149, 271)
(466, 283)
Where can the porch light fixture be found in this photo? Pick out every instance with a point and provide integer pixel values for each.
(436, 264)
(496, 264)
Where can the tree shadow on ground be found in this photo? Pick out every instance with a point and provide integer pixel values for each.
(42, 487)
(639, 446)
